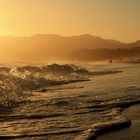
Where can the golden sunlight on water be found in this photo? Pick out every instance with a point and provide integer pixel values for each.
(130, 133)
(69, 69)
(66, 105)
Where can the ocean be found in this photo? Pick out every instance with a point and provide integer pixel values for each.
(66, 101)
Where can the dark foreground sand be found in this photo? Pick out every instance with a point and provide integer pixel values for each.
(131, 133)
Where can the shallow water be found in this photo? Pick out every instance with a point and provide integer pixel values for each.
(130, 133)
(71, 111)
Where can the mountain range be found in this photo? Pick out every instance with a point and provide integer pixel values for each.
(52, 46)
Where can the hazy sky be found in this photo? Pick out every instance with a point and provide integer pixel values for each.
(116, 19)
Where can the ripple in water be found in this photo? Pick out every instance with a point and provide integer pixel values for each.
(37, 102)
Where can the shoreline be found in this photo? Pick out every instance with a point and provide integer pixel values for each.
(106, 130)
(130, 132)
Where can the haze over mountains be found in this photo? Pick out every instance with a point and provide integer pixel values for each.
(50, 46)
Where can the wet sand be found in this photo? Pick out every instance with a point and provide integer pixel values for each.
(130, 133)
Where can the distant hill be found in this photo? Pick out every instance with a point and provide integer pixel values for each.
(103, 54)
(51, 46)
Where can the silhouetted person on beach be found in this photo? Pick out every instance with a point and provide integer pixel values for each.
(110, 61)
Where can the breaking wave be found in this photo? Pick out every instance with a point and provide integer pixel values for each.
(14, 81)
(10, 94)
(79, 111)
(35, 77)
